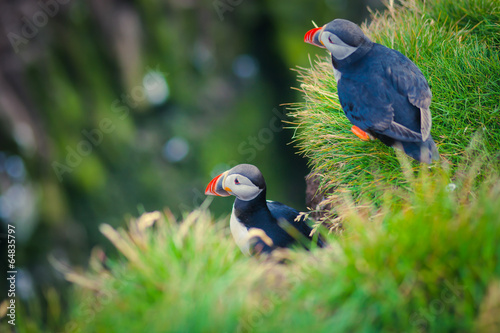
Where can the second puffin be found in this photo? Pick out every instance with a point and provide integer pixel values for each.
(274, 223)
(381, 91)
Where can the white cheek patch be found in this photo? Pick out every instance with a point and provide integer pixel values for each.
(247, 193)
(245, 190)
(336, 46)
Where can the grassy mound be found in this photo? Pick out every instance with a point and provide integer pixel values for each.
(456, 45)
(429, 264)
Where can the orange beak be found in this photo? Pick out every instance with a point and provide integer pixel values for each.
(312, 37)
(215, 187)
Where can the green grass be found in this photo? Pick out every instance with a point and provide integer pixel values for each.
(427, 262)
(456, 46)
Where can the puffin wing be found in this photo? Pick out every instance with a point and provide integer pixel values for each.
(365, 103)
(368, 102)
(409, 81)
(283, 212)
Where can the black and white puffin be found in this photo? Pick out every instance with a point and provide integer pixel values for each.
(257, 225)
(382, 92)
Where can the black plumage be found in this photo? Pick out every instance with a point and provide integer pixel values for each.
(381, 91)
(275, 219)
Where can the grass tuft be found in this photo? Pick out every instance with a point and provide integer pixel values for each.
(173, 276)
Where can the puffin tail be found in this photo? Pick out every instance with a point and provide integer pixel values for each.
(425, 152)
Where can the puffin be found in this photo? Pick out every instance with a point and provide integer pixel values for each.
(258, 225)
(382, 92)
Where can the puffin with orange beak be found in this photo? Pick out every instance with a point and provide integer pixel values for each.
(257, 225)
(382, 93)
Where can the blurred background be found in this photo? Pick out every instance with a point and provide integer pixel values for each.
(112, 108)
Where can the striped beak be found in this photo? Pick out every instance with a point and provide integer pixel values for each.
(313, 37)
(216, 186)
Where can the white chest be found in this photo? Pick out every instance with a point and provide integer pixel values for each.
(240, 234)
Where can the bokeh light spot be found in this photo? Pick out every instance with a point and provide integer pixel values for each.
(156, 87)
(245, 66)
(176, 149)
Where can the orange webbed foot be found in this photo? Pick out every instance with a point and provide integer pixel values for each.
(360, 133)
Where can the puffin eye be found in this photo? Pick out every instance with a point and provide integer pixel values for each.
(236, 181)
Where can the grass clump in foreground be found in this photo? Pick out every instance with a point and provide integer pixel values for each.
(455, 43)
(428, 264)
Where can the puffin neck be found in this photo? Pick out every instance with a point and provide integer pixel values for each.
(244, 210)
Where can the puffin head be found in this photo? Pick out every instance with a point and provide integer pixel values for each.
(244, 181)
(341, 37)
